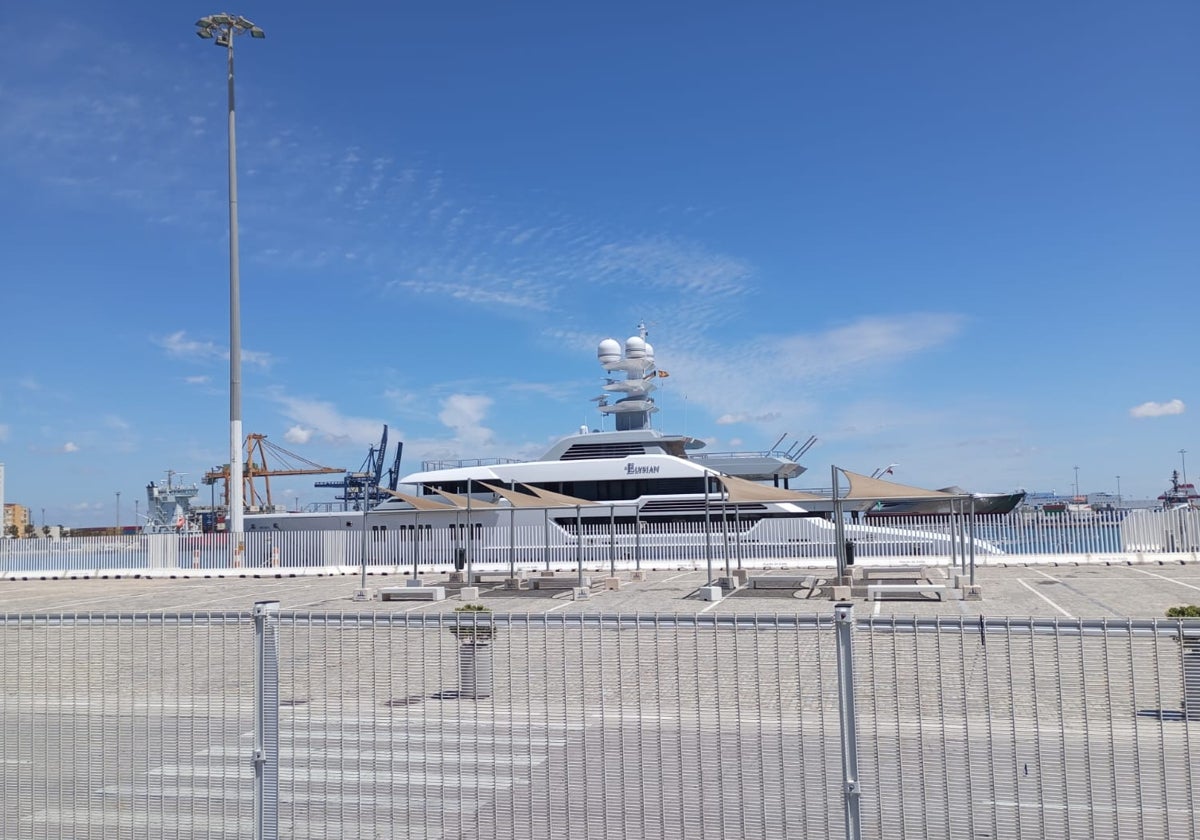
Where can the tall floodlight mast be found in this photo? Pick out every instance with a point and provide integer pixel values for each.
(222, 29)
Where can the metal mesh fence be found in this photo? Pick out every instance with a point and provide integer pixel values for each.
(593, 726)
(124, 726)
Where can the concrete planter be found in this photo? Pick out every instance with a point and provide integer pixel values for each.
(474, 633)
(475, 670)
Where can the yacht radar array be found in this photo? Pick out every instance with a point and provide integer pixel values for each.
(632, 411)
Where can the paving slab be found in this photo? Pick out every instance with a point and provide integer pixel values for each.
(1120, 590)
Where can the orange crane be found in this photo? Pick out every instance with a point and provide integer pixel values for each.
(287, 463)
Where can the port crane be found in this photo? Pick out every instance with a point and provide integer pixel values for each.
(365, 485)
(283, 463)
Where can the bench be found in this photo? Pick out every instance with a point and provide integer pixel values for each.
(783, 582)
(559, 582)
(413, 593)
(914, 573)
(874, 590)
(492, 577)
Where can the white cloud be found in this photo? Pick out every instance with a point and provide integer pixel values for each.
(179, 346)
(1153, 409)
(730, 419)
(464, 414)
(254, 357)
(197, 380)
(322, 418)
(298, 434)
(69, 447)
(520, 294)
(790, 369)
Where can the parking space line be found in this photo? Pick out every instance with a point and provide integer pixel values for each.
(1044, 598)
(1164, 577)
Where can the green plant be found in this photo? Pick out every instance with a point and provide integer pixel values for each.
(479, 629)
(1189, 611)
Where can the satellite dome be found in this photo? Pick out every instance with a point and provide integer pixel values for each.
(635, 347)
(608, 351)
(649, 352)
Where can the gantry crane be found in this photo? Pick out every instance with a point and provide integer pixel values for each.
(286, 463)
(365, 487)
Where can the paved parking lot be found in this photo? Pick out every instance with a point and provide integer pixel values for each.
(1066, 590)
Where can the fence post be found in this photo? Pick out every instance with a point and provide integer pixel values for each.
(266, 720)
(843, 615)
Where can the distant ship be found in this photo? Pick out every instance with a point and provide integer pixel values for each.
(1180, 495)
(169, 507)
(981, 503)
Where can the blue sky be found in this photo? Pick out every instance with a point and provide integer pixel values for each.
(960, 237)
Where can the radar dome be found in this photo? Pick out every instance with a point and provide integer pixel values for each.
(609, 351)
(635, 347)
(649, 352)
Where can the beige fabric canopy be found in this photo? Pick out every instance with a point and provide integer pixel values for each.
(460, 501)
(558, 499)
(416, 501)
(864, 487)
(742, 490)
(516, 498)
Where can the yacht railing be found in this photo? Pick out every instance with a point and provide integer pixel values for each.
(428, 466)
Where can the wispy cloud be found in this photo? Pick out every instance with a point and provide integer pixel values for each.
(177, 345)
(4, 431)
(197, 380)
(773, 377)
(730, 419)
(702, 286)
(518, 294)
(319, 417)
(69, 447)
(1155, 409)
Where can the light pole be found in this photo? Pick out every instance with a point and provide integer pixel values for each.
(222, 29)
(1183, 461)
(1077, 482)
(1118, 489)
(118, 513)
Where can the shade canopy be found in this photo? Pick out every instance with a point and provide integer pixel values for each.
(516, 498)
(742, 490)
(863, 487)
(461, 501)
(558, 499)
(416, 501)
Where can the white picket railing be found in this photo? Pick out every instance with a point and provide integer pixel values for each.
(928, 540)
